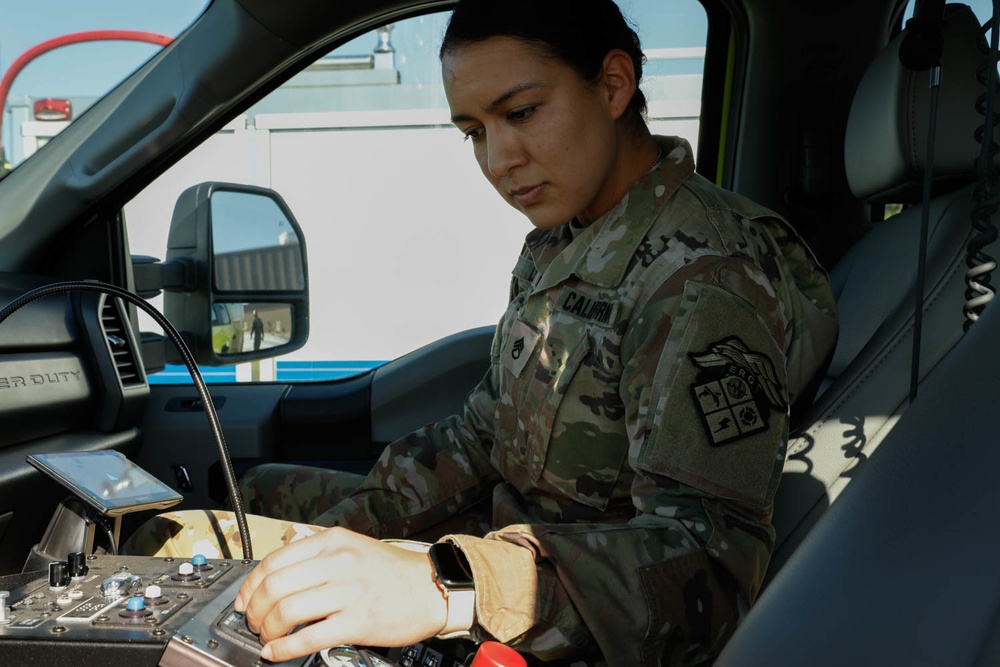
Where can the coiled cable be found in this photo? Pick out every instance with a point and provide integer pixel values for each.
(986, 195)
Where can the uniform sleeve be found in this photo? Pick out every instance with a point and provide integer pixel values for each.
(703, 388)
(430, 475)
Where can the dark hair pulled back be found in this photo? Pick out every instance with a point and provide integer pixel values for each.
(578, 32)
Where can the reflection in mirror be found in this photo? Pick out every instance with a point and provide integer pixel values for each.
(255, 247)
(250, 326)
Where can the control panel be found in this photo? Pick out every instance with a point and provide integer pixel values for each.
(110, 610)
(101, 610)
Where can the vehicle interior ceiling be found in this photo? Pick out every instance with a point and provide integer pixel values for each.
(785, 149)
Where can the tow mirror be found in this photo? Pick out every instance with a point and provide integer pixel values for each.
(235, 278)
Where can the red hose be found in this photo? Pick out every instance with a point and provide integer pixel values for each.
(64, 40)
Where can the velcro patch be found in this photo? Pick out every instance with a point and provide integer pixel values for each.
(735, 391)
(720, 423)
(519, 346)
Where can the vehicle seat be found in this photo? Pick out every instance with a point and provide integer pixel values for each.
(868, 382)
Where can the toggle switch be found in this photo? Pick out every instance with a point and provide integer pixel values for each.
(119, 585)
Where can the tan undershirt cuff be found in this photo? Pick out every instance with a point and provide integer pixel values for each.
(506, 585)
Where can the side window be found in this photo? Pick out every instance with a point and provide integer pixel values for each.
(407, 242)
(983, 10)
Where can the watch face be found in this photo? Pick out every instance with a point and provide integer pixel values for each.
(451, 565)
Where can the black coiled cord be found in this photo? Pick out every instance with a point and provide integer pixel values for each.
(979, 292)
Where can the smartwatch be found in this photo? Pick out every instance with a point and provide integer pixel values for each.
(453, 576)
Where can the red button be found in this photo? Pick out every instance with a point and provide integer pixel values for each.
(494, 654)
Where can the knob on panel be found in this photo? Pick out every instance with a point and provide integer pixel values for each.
(58, 575)
(77, 565)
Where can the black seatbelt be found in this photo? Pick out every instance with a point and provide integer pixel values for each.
(921, 50)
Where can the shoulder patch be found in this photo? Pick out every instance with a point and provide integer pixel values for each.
(735, 391)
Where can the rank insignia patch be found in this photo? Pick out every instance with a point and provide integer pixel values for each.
(735, 391)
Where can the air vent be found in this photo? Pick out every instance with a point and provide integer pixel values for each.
(118, 341)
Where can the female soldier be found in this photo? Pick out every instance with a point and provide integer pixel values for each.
(626, 443)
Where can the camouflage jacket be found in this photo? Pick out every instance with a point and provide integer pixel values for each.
(631, 430)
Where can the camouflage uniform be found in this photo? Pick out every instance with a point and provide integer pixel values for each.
(630, 431)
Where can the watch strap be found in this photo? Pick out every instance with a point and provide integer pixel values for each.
(461, 613)
(456, 586)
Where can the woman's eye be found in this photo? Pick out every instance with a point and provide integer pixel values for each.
(519, 115)
(475, 135)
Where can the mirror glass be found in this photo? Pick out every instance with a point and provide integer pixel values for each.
(254, 246)
(250, 326)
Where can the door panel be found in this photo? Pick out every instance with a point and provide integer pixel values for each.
(328, 424)
(428, 384)
(176, 433)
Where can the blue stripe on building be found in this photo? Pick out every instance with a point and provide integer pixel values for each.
(303, 371)
(286, 371)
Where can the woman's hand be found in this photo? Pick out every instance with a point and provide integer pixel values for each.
(350, 588)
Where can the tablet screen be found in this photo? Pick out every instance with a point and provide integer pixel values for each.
(107, 481)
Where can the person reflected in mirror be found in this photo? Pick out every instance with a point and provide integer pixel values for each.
(256, 330)
(608, 488)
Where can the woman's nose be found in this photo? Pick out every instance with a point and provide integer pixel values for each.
(503, 152)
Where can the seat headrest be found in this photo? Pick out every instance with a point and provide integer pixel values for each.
(886, 141)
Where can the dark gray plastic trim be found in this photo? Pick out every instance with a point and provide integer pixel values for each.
(428, 384)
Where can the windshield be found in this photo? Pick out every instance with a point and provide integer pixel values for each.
(59, 57)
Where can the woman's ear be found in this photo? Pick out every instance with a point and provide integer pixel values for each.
(618, 81)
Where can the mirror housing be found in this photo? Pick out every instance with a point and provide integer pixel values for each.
(242, 259)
